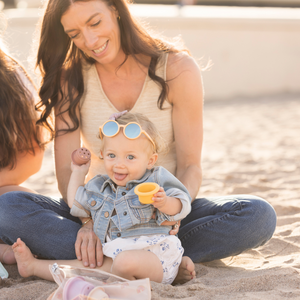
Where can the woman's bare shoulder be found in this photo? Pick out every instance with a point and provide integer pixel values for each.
(27, 164)
(181, 62)
(183, 78)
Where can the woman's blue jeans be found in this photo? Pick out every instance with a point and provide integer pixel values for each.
(217, 227)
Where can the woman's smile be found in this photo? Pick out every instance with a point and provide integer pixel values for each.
(101, 49)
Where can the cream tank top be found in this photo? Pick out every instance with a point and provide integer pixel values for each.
(96, 108)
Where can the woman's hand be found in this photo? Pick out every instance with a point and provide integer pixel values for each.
(175, 226)
(88, 246)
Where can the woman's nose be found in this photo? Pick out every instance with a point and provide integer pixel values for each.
(90, 40)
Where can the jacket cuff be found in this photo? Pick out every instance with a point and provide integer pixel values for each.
(77, 210)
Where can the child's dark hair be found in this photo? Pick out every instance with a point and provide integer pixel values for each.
(18, 131)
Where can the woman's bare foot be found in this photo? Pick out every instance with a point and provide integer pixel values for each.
(7, 255)
(186, 271)
(24, 258)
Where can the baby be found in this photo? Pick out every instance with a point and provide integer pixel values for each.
(135, 245)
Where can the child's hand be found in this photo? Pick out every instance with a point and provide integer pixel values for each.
(160, 198)
(82, 168)
(166, 204)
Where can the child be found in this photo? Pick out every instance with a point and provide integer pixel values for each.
(134, 244)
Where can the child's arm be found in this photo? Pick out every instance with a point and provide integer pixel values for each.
(166, 204)
(76, 180)
(173, 201)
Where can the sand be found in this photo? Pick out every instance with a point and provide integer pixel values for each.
(250, 146)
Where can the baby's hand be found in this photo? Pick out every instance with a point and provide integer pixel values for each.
(82, 168)
(160, 198)
(166, 204)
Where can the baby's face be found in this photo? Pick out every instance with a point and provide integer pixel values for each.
(125, 159)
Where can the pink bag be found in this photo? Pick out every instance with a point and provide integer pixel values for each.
(93, 284)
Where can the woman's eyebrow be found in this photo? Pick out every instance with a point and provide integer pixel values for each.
(88, 20)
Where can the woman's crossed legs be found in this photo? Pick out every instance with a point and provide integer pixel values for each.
(216, 228)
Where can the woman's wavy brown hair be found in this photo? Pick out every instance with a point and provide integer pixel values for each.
(64, 59)
(17, 114)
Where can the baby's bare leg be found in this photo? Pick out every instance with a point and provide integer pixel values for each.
(138, 264)
(28, 265)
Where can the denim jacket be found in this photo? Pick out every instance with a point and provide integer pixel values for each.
(117, 211)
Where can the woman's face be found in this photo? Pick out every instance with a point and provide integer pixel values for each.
(94, 28)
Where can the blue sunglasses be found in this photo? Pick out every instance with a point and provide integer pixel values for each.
(131, 130)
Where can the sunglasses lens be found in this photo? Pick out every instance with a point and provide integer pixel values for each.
(110, 129)
(132, 131)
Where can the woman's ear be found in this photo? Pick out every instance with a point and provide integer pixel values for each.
(152, 160)
(115, 11)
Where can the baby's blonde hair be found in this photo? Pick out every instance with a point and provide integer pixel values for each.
(148, 126)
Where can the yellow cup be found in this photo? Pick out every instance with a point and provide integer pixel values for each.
(145, 191)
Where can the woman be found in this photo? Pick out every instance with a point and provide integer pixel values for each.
(103, 62)
(21, 147)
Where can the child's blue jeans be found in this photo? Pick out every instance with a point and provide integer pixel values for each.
(216, 227)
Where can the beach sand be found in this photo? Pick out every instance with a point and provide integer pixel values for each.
(251, 146)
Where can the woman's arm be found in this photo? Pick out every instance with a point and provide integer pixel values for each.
(88, 246)
(64, 145)
(186, 96)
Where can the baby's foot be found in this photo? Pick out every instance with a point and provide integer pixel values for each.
(24, 258)
(7, 255)
(186, 271)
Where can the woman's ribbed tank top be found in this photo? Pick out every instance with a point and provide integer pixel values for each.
(96, 108)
